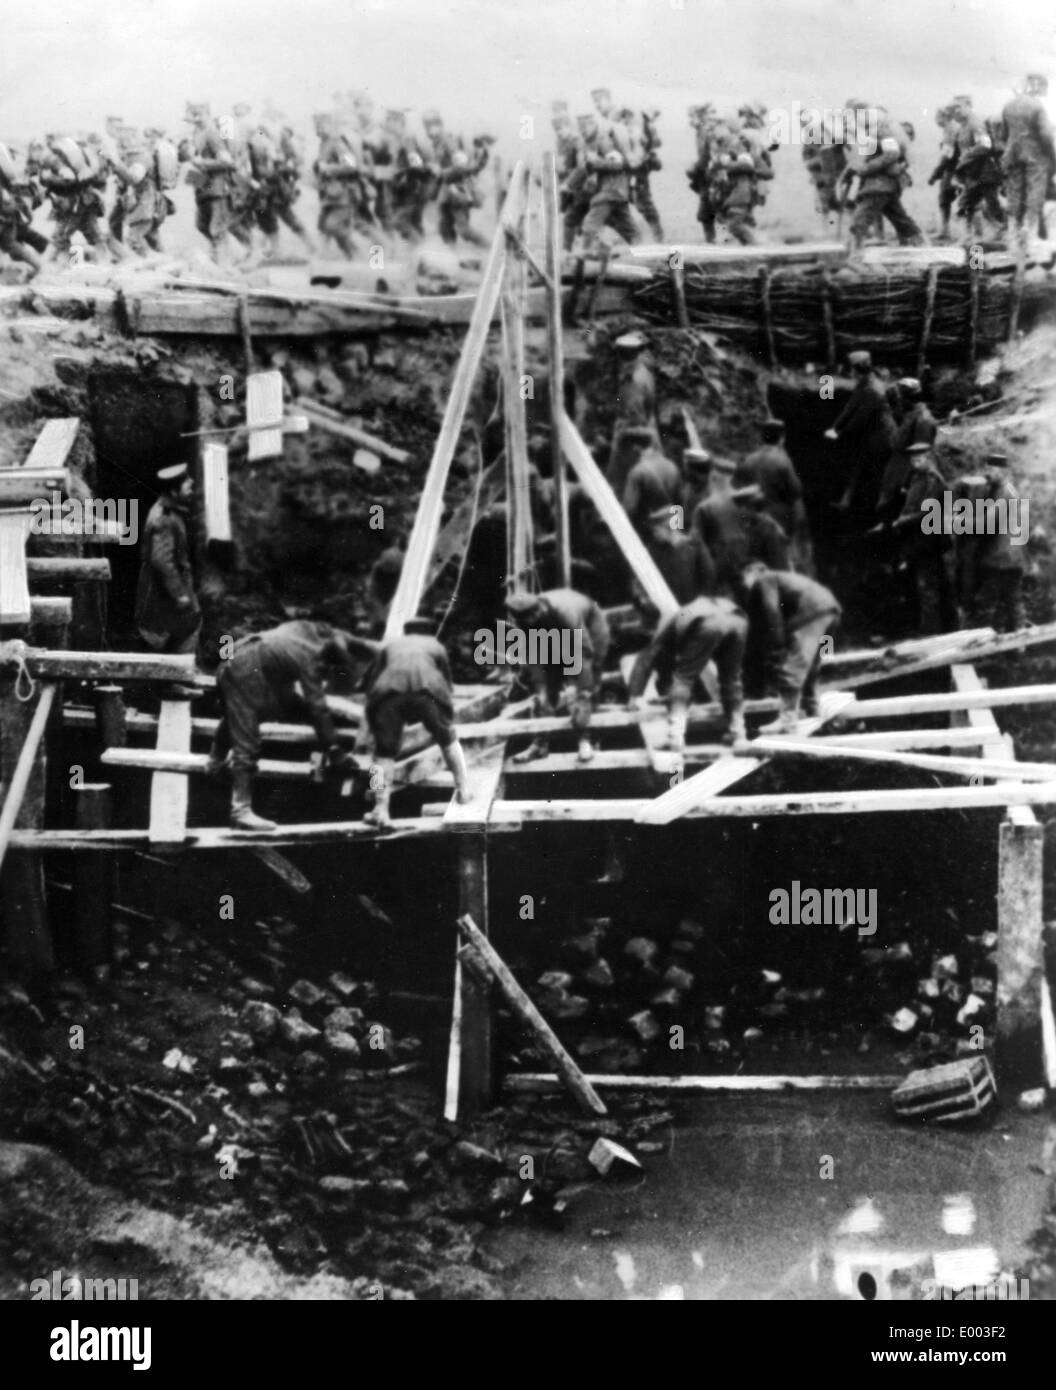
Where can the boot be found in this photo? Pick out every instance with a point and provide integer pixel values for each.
(538, 748)
(786, 721)
(677, 723)
(736, 733)
(218, 763)
(455, 759)
(243, 817)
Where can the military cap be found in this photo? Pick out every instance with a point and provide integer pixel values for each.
(909, 383)
(747, 495)
(396, 114)
(559, 108)
(696, 458)
(639, 434)
(963, 99)
(997, 460)
(154, 132)
(432, 117)
(859, 359)
(919, 448)
(1037, 79)
(586, 118)
(419, 627)
(360, 97)
(172, 475)
(856, 104)
(196, 109)
(600, 92)
(744, 161)
(724, 465)
(241, 108)
(631, 342)
(772, 429)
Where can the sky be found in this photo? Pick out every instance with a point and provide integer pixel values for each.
(66, 64)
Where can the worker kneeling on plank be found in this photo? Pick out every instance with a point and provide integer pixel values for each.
(409, 682)
(567, 639)
(703, 630)
(791, 615)
(257, 682)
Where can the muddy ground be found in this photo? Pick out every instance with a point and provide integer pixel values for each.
(252, 1107)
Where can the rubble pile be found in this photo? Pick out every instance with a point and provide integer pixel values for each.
(214, 1077)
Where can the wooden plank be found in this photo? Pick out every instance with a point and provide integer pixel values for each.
(108, 666)
(14, 582)
(981, 648)
(620, 759)
(23, 769)
(910, 648)
(454, 1049)
(908, 738)
(596, 486)
(926, 762)
(674, 803)
(216, 501)
(20, 486)
(185, 764)
(727, 256)
(169, 790)
(476, 1081)
(485, 780)
(543, 1035)
(62, 569)
(899, 705)
(353, 432)
(93, 878)
(263, 409)
(1020, 957)
(281, 867)
(423, 535)
(51, 450)
(793, 804)
(544, 1082)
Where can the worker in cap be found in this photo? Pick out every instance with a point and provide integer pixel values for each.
(697, 464)
(635, 393)
(771, 469)
(167, 613)
(432, 117)
(865, 430)
(653, 479)
(734, 529)
(631, 342)
(789, 616)
(917, 426)
(603, 103)
(409, 682)
(677, 552)
(991, 553)
(566, 639)
(703, 629)
(279, 674)
(927, 548)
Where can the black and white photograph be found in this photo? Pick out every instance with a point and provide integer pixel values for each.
(527, 663)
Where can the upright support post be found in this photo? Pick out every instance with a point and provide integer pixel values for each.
(556, 350)
(1020, 960)
(520, 510)
(476, 1082)
(93, 877)
(111, 716)
(930, 288)
(24, 903)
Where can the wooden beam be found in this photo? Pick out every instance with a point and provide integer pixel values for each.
(23, 769)
(484, 782)
(423, 535)
(20, 486)
(264, 409)
(991, 769)
(597, 488)
(169, 790)
(543, 1082)
(899, 705)
(215, 498)
(556, 354)
(14, 582)
(280, 866)
(51, 450)
(542, 1034)
(908, 738)
(107, 666)
(326, 416)
(93, 878)
(186, 764)
(73, 569)
(897, 652)
(793, 804)
(709, 783)
(980, 648)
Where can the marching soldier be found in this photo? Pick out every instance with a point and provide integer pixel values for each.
(703, 630)
(946, 118)
(342, 172)
(74, 181)
(1029, 156)
(608, 158)
(211, 175)
(979, 173)
(882, 170)
(168, 614)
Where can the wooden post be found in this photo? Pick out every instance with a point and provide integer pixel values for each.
(476, 1081)
(828, 320)
(1020, 961)
(556, 349)
(678, 293)
(1017, 292)
(931, 286)
(169, 790)
(427, 519)
(111, 717)
(24, 904)
(768, 321)
(520, 508)
(973, 313)
(93, 878)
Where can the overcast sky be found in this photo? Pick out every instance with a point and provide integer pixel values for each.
(68, 63)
